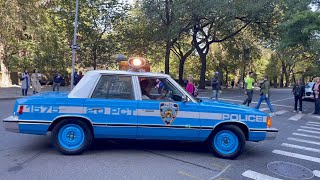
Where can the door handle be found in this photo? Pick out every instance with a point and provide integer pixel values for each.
(149, 110)
(97, 109)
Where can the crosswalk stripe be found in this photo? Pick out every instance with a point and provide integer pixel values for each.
(318, 117)
(280, 112)
(316, 173)
(313, 128)
(298, 156)
(314, 122)
(304, 141)
(257, 176)
(296, 117)
(303, 130)
(263, 109)
(301, 147)
(315, 125)
(306, 135)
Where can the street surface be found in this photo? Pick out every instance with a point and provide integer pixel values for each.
(298, 143)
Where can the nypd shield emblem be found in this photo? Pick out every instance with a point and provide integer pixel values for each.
(168, 112)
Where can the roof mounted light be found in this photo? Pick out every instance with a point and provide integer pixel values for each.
(136, 62)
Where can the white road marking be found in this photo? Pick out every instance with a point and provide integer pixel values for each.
(296, 117)
(301, 147)
(306, 135)
(313, 128)
(315, 125)
(318, 117)
(257, 176)
(303, 130)
(298, 156)
(263, 109)
(280, 105)
(316, 173)
(221, 172)
(280, 112)
(282, 99)
(304, 141)
(314, 122)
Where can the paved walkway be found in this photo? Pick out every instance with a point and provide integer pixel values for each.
(15, 92)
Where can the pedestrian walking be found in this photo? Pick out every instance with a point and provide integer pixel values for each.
(316, 92)
(80, 76)
(35, 81)
(216, 85)
(265, 93)
(25, 82)
(249, 82)
(57, 79)
(190, 85)
(232, 83)
(75, 77)
(298, 91)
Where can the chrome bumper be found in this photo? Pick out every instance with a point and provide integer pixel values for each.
(11, 124)
(271, 133)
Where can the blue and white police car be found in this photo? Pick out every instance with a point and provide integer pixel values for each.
(126, 105)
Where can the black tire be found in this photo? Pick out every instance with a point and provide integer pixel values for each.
(231, 134)
(80, 128)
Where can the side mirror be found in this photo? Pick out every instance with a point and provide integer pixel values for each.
(184, 99)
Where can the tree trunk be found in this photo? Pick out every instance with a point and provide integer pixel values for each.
(167, 57)
(287, 76)
(275, 82)
(181, 69)
(203, 58)
(294, 78)
(227, 74)
(283, 72)
(94, 53)
(5, 77)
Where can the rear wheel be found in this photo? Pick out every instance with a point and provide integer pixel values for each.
(71, 137)
(227, 142)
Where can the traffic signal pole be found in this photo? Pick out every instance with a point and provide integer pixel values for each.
(74, 45)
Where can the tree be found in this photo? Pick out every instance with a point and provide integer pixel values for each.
(219, 21)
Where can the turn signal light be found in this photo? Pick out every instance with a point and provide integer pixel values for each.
(269, 123)
(20, 109)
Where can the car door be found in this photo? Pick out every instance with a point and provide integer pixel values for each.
(112, 107)
(168, 118)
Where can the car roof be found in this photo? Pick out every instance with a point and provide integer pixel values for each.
(88, 82)
(134, 73)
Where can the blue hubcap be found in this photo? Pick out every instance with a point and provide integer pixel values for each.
(226, 142)
(71, 136)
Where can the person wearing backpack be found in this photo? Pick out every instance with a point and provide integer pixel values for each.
(265, 93)
(298, 91)
(216, 85)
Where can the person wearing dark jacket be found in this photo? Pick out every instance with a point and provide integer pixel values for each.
(316, 92)
(298, 91)
(216, 85)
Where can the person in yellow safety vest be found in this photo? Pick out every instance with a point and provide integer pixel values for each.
(249, 81)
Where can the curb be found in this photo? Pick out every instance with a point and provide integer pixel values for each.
(10, 98)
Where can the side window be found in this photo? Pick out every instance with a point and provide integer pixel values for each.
(159, 89)
(114, 87)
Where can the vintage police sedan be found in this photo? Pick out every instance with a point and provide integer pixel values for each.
(127, 105)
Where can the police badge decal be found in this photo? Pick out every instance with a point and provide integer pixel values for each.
(168, 112)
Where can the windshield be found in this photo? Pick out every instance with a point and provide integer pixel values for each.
(309, 85)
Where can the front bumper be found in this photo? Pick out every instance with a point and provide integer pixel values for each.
(11, 124)
(271, 133)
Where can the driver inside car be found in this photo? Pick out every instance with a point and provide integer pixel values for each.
(146, 88)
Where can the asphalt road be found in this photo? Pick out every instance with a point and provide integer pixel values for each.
(298, 143)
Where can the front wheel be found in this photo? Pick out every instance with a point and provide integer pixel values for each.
(227, 142)
(71, 137)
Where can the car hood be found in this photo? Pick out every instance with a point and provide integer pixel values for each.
(226, 107)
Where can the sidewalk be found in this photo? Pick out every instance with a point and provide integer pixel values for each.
(14, 92)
